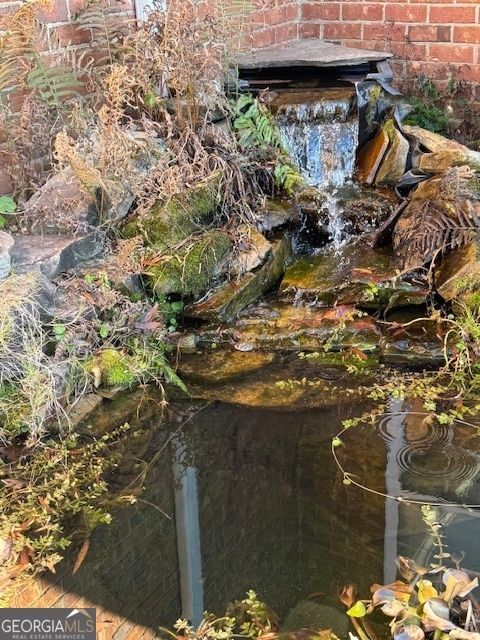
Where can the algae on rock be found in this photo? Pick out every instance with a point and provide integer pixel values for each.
(192, 271)
(230, 298)
(166, 224)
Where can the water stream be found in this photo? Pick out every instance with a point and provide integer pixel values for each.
(320, 132)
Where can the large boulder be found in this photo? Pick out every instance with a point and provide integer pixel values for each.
(193, 270)
(355, 275)
(225, 302)
(166, 224)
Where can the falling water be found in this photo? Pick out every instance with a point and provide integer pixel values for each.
(320, 132)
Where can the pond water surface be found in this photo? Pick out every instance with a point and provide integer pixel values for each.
(237, 498)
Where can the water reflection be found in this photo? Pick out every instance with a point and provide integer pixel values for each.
(256, 501)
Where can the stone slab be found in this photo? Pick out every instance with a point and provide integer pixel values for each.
(308, 53)
(52, 255)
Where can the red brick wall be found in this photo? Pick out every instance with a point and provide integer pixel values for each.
(274, 22)
(438, 38)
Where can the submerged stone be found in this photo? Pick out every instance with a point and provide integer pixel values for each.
(194, 269)
(214, 366)
(370, 157)
(309, 614)
(394, 163)
(355, 275)
(284, 327)
(416, 345)
(166, 224)
(290, 385)
(225, 302)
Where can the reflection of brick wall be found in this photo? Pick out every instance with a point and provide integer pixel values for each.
(437, 38)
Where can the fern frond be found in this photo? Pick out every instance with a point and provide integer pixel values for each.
(107, 28)
(448, 221)
(53, 84)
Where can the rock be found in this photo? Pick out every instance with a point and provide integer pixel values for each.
(370, 157)
(220, 365)
(277, 214)
(443, 160)
(290, 386)
(394, 162)
(307, 53)
(433, 142)
(187, 343)
(229, 299)
(6, 245)
(52, 255)
(356, 275)
(193, 270)
(458, 273)
(284, 327)
(440, 212)
(82, 409)
(253, 248)
(363, 209)
(60, 207)
(417, 345)
(309, 614)
(166, 224)
(443, 152)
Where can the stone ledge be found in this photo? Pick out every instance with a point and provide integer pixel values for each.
(309, 53)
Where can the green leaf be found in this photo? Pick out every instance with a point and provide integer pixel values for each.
(358, 610)
(336, 442)
(7, 204)
(104, 331)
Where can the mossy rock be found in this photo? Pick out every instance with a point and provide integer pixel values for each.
(217, 366)
(168, 223)
(355, 275)
(458, 275)
(230, 298)
(192, 271)
(111, 368)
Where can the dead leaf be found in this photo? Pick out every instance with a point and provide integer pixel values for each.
(81, 556)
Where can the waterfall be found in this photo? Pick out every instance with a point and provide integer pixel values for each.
(320, 132)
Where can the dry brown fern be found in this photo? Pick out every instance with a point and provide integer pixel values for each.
(447, 219)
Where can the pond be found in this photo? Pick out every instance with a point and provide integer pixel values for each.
(239, 497)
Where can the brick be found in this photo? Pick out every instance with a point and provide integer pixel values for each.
(451, 14)
(385, 32)
(309, 30)
(450, 53)
(363, 11)
(405, 13)
(340, 30)
(467, 35)
(321, 11)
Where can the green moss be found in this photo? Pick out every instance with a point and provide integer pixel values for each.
(192, 271)
(167, 224)
(115, 367)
